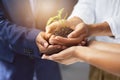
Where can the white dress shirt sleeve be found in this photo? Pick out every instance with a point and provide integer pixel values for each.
(85, 9)
(114, 23)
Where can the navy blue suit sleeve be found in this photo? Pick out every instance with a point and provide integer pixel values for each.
(21, 39)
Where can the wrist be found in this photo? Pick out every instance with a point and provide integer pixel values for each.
(95, 29)
(99, 29)
(91, 29)
(82, 53)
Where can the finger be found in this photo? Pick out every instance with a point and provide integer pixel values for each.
(83, 43)
(74, 34)
(66, 61)
(52, 49)
(65, 54)
(55, 46)
(79, 30)
(67, 41)
(48, 30)
(63, 57)
(41, 48)
(45, 57)
(51, 39)
(50, 58)
(42, 40)
(52, 27)
(64, 47)
(85, 39)
(47, 36)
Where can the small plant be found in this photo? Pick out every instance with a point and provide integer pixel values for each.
(56, 18)
(60, 31)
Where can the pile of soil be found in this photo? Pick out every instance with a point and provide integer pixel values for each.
(63, 31)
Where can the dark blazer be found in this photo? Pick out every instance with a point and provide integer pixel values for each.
(17, 32)
(19, 55)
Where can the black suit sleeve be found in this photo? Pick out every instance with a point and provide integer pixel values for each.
(20, 39)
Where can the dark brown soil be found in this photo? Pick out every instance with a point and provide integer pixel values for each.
(63, 31)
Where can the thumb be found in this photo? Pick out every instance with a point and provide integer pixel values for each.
(41, 39)
(74, 34)
(50, 28)
(79, 29)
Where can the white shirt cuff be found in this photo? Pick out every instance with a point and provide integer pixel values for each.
(114, 27)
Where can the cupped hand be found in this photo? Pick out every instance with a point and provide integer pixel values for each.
(67, 56)
(42, 42)
(81, 30)
(58, 40)
(72, 22)
(78, 36)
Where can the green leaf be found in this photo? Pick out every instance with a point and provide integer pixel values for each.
(58, 17)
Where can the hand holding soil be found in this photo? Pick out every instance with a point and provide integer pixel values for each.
(61, 28)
